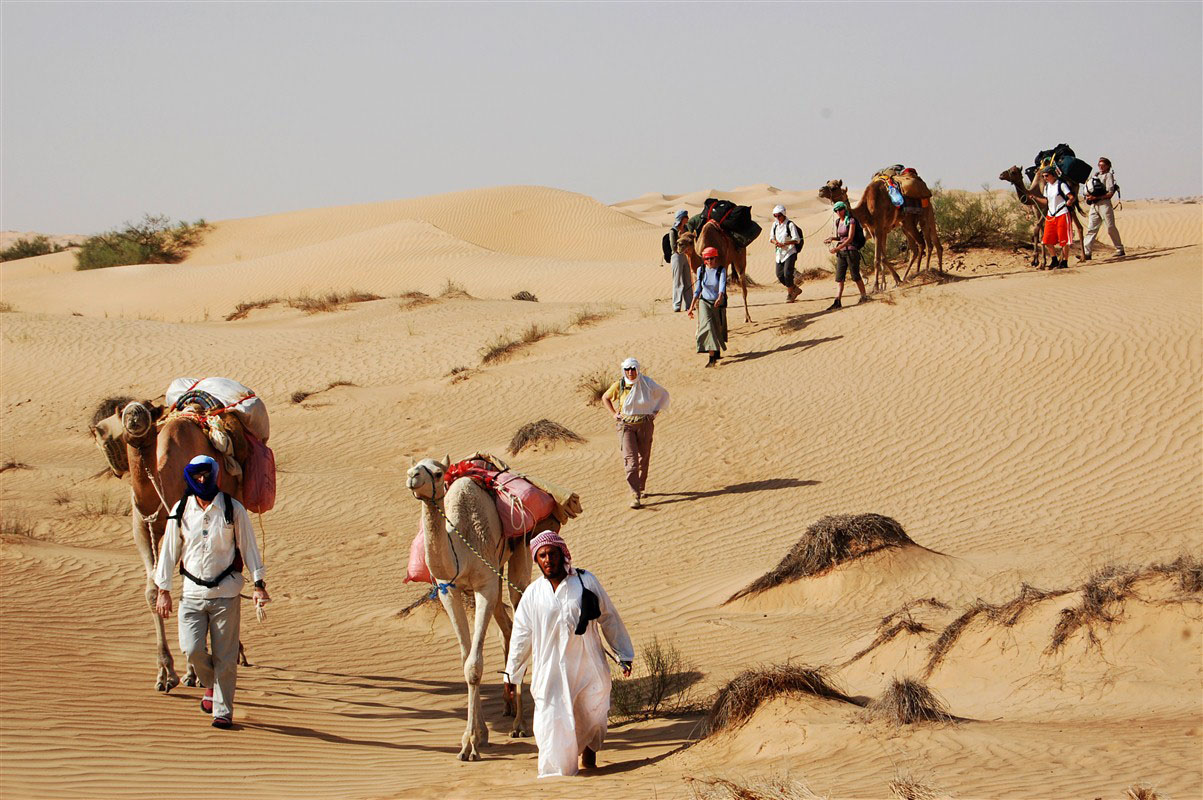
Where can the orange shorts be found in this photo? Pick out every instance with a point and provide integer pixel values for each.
(1056, 231)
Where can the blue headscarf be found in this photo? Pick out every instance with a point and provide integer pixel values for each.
(203, 465)
(682, 214)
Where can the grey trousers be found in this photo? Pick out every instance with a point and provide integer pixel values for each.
(1101, 213)
(682, 283)
(636, 441)
(216, 620)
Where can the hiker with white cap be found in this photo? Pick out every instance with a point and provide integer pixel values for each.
(556, 634)
(210, 535)
(787, 238)
(635, 400)
(682, 281)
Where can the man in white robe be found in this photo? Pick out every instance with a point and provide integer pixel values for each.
(570, 678)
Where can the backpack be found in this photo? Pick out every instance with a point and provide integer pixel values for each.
(797, 233)
(235, 565)
(667, 247)
(858, 235)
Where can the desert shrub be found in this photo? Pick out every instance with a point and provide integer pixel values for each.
(831, 541)
(663, 686)
(771, 788)
(542, 431)
(506, 344)
(6, 307)
(587, 315)
(904, 787)
(243, 310)
(331, 301)
(524, 295)
(28, 248)
(15, 524)
(452, 290)
(155, 239)
(906, 702)
(594, 384)
(1141, 791)
(748, 690)
(412, 300)
(985, 219)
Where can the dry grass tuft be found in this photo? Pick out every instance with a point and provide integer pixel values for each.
(108, 407)
(524, 295)
(812, 274)
(831, 541)
(1103, 591)
(11, 464)
(907, 702)
(772, 788)
(15, 525)
(542, 431)
(458, 374)
(454, 291)
(889, 628)
(506, 344)
(1187, 570)
(105, 506)
(331, 301)
(300, 396)
(412, 300)
(588, 315)
(6, 307)
(1141, 791)
(904, 787)
(661, 683)
(243, 310)
(594, 384)
(748, 690)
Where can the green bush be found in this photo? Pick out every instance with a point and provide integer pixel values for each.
(28, 248)
(985, 219)
(153, 240)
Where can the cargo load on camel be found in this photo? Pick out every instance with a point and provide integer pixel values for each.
(906, 189)
(526, 504)
(236, 422)
(735, 220)
(1069, 167)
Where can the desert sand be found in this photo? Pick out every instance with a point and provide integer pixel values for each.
(1022, 426)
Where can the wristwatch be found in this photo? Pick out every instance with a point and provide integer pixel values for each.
(260, 585)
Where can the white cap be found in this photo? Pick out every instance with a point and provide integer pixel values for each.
(778, 210)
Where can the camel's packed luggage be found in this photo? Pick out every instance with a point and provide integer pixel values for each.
(904, 186)
(237, 423)
(526, 504)
(1068, 165)
(735, 220)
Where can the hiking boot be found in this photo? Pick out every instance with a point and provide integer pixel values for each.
(864, 298)
(792, 293)
(635, 503)
(1086, 257)
(1063, 264)
(1120, 254)
(834, 305)
(206, 703)
(225, 722)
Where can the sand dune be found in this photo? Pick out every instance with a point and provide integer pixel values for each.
(1021, 426)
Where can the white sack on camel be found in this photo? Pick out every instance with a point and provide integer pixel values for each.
(242, 400)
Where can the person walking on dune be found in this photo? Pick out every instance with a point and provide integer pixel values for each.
(787, 239)
(710, 301)
(210, 535)
(635, 400)
(1057, 200)
(556, 634)
(682, 281)
(1101, 189)
(846, 242)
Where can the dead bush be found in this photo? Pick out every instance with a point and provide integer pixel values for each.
(412, 300)
(594, 384)
(454, 291)
(524, 295)
(904, 787)
(750, 689)
(831, 541)
(1141, 791)
(907, 702)
(15, 524)
(6, 307)
(771, 788)
(243, 310)
(663, 686)
(542, 431)
(331, 301)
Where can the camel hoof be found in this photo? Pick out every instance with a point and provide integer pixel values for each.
(469, 754)
(519, 733)
(191, 680)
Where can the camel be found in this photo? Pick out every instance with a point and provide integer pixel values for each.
(157, 455)
(466, 552)
(1027, 195)
(730, 255)
(879, 216)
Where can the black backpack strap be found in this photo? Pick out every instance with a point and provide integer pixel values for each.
(178, 512)
(235, 565)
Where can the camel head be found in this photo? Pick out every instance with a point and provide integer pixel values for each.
(1010, 175)
(138, 420)
(425, 479)
(833, 192)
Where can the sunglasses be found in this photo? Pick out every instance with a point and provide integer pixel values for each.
(630, 369)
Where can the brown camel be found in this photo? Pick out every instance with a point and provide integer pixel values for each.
(879, 216)
(1032, 196)
(157, 455)
(730, 255)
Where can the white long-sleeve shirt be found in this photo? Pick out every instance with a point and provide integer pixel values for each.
(783, 231)
(570, 680)
(206, 546)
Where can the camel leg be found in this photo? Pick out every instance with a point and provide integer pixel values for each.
(519, 571)
(476, 734)
(453, 604)
(741, 269)
(167, 679)
(881, 260)
(914, 240)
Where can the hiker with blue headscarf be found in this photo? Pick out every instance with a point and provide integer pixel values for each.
(210, 535)
(682, 280)
(635, 400)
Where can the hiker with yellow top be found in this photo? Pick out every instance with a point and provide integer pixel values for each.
(635, 400)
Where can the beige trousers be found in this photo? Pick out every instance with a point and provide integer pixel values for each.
(215, 620)
(636, 441)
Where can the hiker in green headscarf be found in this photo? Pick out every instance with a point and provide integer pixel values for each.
(846, 243)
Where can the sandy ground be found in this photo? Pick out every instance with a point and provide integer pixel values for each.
(1024, 427)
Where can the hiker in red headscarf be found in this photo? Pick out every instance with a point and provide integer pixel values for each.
(710, 301)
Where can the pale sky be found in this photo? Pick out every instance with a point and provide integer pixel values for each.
(220, 110)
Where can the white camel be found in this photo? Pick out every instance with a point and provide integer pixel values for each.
(467, 551)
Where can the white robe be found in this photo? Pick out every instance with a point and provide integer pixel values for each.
(570, 679)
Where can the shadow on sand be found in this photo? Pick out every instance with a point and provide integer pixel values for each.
(735, 488)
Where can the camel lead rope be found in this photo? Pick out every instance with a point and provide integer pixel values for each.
(260, 612)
